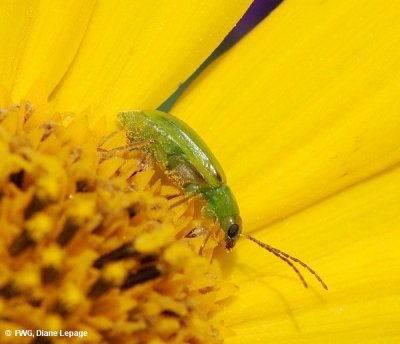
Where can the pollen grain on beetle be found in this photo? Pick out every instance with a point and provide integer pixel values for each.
(94, 237)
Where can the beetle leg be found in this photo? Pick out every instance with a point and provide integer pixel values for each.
(140, 144)
(204, 243)
(195, 232)
(108, 153)
(208, 212)
(183, 200)
(151, 147)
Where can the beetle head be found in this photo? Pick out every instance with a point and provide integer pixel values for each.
(232, 233)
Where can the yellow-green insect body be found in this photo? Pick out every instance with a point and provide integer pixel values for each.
(178, 148)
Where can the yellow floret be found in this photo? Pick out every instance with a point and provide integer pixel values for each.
(90, 240)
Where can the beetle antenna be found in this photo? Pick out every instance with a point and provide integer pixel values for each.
(288, 258)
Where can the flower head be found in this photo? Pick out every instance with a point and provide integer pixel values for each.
(303, 116)
(89, 238)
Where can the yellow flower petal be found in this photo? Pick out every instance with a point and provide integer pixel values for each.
(38, 41)
(308, 100)
(136, 53)
(352, 239)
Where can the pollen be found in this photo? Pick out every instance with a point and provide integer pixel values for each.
(92, 239)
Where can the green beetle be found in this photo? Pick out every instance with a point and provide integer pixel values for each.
(178, 149)
(185, 156)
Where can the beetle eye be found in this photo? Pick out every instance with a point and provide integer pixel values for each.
(233, 230)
